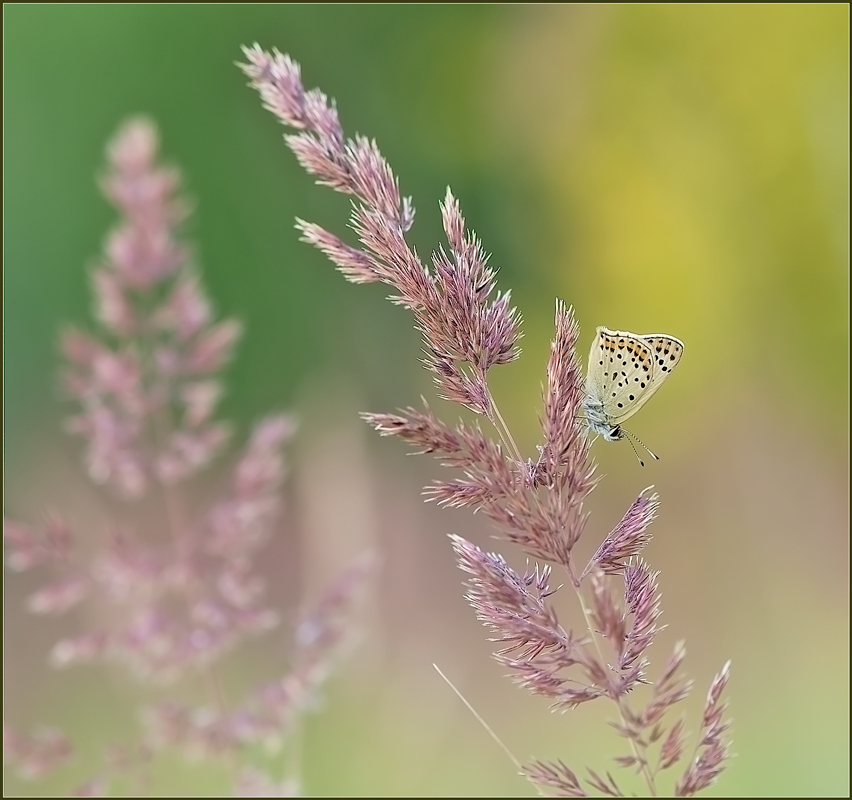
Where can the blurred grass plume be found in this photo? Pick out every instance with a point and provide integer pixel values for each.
(174, 601)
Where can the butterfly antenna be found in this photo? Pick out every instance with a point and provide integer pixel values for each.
(631, 438)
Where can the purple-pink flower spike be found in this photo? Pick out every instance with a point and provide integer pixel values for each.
(468, 328)
(147, 386)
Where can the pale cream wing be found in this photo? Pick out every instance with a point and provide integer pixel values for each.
(666, 352)
(620, 373)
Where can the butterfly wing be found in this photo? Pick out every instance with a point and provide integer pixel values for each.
(625, 369)
(667, 351)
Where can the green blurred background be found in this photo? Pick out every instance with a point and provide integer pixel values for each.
(677, 169)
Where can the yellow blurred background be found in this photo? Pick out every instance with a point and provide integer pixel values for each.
(676, 169)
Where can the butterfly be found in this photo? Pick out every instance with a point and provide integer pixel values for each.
(625, 370)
